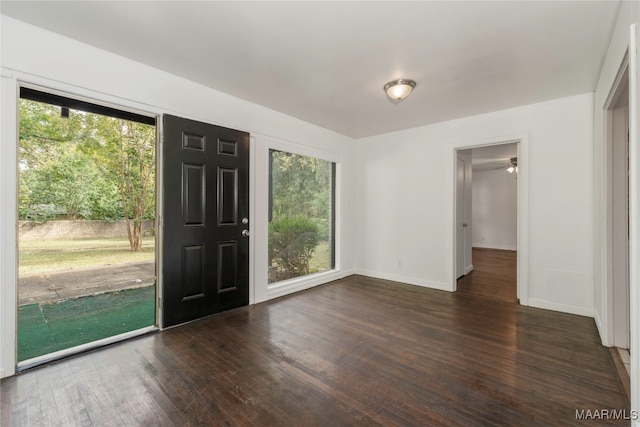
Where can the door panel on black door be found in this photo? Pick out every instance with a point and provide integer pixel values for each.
(206, 193)
(227, 196)
(194, 194)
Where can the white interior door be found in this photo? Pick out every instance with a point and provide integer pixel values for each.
(620, 222)
(460, 225)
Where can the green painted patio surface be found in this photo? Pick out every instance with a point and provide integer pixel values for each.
(49, 327)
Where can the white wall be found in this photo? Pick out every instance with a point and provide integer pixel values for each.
(495, 209)
(618, 49)
(405, 205)
(36, 56)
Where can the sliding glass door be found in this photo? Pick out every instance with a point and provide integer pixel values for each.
(86, 201)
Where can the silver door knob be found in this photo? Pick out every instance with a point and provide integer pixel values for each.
(245, 220)
(245, 233)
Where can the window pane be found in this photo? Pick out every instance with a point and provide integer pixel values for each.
(301, 215)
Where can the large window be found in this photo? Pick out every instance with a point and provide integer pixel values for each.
(301, 215)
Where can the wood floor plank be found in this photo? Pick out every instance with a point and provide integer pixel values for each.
(359, 351)
(494, 274)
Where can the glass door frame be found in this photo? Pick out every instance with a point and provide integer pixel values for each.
(107, 102)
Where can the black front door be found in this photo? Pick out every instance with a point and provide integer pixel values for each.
(205, 212)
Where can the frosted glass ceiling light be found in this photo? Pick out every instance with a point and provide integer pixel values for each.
(397, 90)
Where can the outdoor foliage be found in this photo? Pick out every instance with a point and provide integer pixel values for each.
(292, 241)
(85, 166)
(301, 203)
(302, 186)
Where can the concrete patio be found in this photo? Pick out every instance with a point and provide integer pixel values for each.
(70, 284)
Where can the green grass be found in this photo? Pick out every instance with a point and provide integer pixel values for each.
(320, 261)
(46, 328)
(54, 255)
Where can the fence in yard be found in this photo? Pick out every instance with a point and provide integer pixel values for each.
(81, 229)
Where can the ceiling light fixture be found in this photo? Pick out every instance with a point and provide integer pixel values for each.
(514, 165)
(399, 89)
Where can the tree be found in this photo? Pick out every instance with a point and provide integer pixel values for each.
(56, 176)
(60, 186)
(127, 155)
(301, 186)
(86, 166)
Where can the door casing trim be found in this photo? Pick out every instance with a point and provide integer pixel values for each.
(523, 207)
(607, 230)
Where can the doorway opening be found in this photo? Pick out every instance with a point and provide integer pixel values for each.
(487, 221)
(86, 235)
(617, 211)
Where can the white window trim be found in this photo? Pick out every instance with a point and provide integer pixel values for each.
(263, 290)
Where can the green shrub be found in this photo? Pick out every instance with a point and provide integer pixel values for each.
(292, 241)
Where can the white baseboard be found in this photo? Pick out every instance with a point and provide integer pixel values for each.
(347, 273)
(564, 308)
(405, 279)
(469, 269)
(601, 330)
(298, 284)
(491, 246)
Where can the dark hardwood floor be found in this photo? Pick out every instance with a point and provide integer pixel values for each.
(359, 351)
(494, 274)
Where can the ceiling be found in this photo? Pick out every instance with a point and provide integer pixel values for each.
(493, 157)
(326, 62)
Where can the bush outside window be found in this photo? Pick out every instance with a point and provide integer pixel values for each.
(301, 215)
